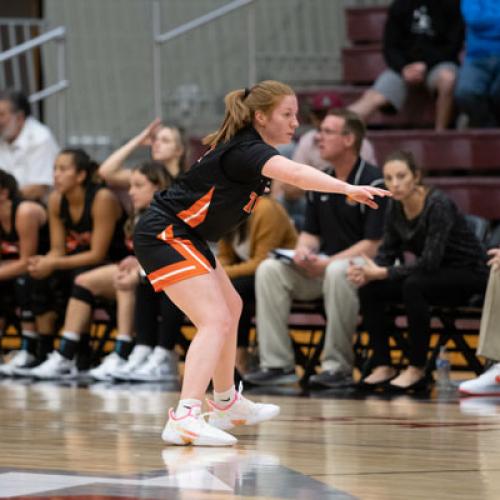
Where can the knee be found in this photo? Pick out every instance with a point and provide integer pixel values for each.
(220, 324)
(268, 273)
(83, 280)
(446, 81)
(412, 287)
(336, 272)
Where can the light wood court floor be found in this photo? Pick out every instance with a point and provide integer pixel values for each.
(103, 442)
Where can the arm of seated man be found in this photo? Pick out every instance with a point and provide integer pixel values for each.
(314, 265)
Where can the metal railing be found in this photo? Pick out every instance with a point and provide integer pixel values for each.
(161, 38)
(59, 36)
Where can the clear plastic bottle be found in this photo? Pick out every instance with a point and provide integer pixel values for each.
(443, 370)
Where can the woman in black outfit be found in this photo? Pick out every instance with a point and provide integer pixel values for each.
(24, 232)
(449, 267)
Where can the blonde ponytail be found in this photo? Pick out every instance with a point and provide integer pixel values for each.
(241, 106)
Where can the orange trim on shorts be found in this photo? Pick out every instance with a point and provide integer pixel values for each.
(194, 263)
(197, 212)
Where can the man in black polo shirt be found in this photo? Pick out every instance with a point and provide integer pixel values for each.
(336, 231)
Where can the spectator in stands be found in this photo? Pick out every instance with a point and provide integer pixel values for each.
(167, 147)
(488, 384)
(422, 42)
(241, 251)
(152, 316)
(106, 282)
(86, 229)
(307, 151)
(27, 147)
(449, 267)
(335, 231)
(478, 86)
(23, 233)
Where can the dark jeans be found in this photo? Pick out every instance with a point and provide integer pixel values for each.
(417, 292)
(157, 320)
(245, 286)
(478, 91)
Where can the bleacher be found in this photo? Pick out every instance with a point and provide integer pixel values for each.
(464, 164)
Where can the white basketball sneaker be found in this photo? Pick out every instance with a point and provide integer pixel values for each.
(160, 366)
(137, 357)
(240, 411)
(487, 384)
(55, 367)
(19, 359)
(193, 429)
(110, 364)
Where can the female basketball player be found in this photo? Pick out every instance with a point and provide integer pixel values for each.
(210, 199)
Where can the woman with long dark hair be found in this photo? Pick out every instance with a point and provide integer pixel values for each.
(449, 266)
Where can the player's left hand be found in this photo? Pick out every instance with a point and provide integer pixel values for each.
(366, 194)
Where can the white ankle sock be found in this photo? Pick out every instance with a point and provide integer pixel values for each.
(124, 336)
(75, 337)
(226, 396)
(185, 405)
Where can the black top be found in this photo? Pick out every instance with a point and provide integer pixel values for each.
(79, 233)
(9, 241)
(219, 191)
(439, 238)
(339, 222)
(431, 31)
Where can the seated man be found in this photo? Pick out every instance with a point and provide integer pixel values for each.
(307, 151)
(335, 232)
(422, 42)
(27, 147)
(478, 86)
(488, 384)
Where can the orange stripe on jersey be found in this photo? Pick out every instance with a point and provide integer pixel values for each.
(194, 263)
(197, 212)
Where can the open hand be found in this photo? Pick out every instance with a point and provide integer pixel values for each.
(366, 194)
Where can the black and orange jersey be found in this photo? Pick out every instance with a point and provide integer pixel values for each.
(220, 190)
(79, 233)
(9, 240)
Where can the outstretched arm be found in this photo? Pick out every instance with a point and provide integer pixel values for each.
(310, 179)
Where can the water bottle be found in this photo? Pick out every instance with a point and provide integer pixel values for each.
(443, 370)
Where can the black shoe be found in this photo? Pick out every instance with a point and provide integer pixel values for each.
(332, 379)
(367, 387)
(423, 384)
(271, 376)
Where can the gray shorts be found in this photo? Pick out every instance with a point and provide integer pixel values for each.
(392, 86)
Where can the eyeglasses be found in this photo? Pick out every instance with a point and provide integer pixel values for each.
(329, 131)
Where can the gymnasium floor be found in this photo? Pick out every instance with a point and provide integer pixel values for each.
(73, 441)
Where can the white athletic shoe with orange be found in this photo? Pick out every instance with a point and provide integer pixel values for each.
(193, 429)
(240, 411)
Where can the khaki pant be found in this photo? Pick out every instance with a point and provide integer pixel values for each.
(277, 284)
(489, 336)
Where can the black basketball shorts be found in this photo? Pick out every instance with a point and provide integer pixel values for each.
(169, 251)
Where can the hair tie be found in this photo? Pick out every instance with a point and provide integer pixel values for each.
(247, 92)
